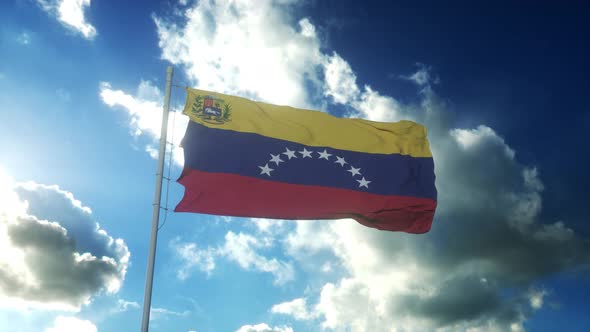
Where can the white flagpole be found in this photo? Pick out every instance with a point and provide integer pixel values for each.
(149, 278)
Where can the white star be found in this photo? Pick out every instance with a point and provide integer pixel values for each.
(354, 171)
(324, 155)
(289, 153)
(276, 159)
(363, 183)
(340, 161)
(306, 153)
(266, 170)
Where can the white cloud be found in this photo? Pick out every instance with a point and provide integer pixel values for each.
(296, 308)
(340, 80)
(307, 29)
(123, 305)
(342, 87)
(244, 48)
(71, 324)
(422, 77)
(162, 313)
(145, 115)
(269, 226)
(376, 107)
(263, 327)
(474, 138)
(225, 219)
(152, 151)
(348, 304)
(536, 298)
(148, 91)
(70, 13)
(191, 257)
(53, 255)
(310, 237)
(240, 248)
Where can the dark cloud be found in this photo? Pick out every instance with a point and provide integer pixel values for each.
(66, 256)
(51, 203)
(450, 304)
(502, 251)
(480, 265)
(489, 213)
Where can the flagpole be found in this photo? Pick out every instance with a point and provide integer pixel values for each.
(149, 278)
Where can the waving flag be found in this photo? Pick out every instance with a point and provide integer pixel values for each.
(252, 159)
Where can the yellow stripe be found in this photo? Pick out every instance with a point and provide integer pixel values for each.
(312, 128)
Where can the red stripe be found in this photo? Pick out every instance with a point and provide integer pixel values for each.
(241, 196)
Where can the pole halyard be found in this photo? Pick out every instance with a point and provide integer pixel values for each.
(149, 278)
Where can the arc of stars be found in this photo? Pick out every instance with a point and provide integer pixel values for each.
(290, 154)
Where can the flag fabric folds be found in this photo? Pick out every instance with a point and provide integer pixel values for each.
(253, 159)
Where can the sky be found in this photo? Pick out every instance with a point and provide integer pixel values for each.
(501, 87)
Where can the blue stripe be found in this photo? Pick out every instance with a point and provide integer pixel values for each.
(225, 151)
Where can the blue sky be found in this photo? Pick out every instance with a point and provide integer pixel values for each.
(501, 87)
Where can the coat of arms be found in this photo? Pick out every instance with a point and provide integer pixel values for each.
(211, 109)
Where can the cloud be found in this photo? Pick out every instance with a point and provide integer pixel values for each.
(145, 115)
(269, 226)
(161, 313)
(487, 237)
(296, 308)
(53, 255)
(192, 257)
(341, 86)
(263, 327)
(70, 13)
(422, 77)
(244, 48)
(71, 324)
(340, 80)
(536, 298)
(239, 248)
(123, 305)
(490, 238)
(144, 109)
